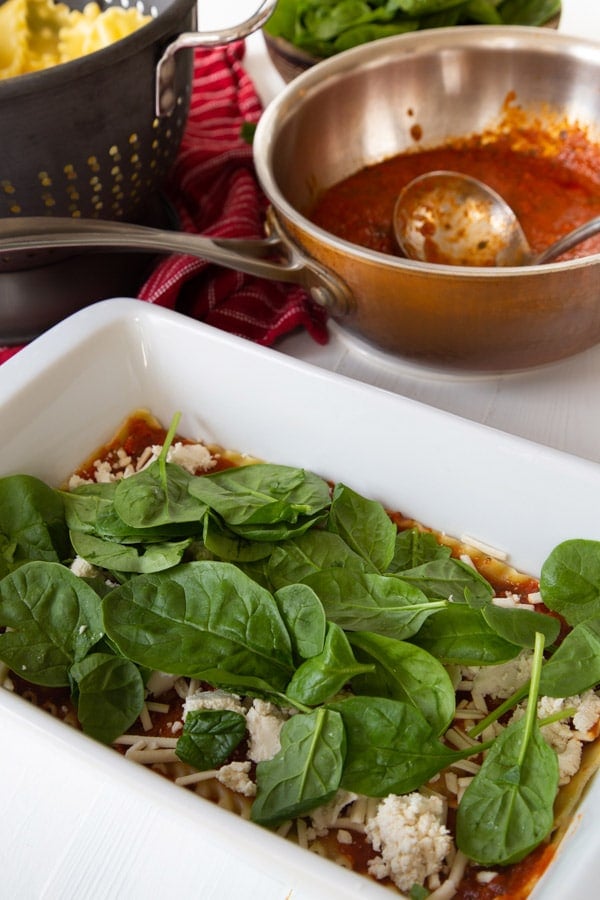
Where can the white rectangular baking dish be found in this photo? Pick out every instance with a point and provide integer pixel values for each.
(80, 821)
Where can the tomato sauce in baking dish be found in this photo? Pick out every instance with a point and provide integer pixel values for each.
(401, 702)
(553, 187)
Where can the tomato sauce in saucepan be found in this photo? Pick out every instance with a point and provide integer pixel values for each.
(552, 185)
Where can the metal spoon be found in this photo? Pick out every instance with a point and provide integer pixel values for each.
(448, 218)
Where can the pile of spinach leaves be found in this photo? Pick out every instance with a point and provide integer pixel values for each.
(268, 582)
(323, 28)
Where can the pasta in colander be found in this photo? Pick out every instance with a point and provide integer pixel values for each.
(37, 34)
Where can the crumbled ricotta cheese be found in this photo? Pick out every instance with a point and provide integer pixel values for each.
(587, 716)
(325, 817)
(213, 700)
(567, 737)
(499, 682)
(410, 835)
(82, 568)
(264, 721)
(76, 481)
(236, 777)
(485, 877)
(193, 457)
(160, 682)
(104, 472)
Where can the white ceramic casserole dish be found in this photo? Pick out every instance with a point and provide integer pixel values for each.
(79, 820)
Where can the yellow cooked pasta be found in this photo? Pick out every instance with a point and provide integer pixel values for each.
(37, 34)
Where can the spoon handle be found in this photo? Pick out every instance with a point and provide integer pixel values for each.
(585, 231)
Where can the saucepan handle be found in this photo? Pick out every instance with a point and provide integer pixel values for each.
(274, 257)
(165, 95)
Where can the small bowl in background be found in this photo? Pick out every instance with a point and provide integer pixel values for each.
(288, 59)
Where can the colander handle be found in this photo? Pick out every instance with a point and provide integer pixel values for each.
(275, 257)
(165, 95)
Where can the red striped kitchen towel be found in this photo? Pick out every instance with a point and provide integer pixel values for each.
(214, 191)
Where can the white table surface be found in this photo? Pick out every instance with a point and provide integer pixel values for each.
(554, 405)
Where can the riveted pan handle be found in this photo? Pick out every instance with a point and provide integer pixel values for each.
(165, 95)
(275, 257)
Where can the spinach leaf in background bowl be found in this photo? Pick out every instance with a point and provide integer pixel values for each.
(326, 27)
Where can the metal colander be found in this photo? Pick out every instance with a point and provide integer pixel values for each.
(96, 138)
(83, 138)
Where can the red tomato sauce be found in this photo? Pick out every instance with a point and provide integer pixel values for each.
(140, 431)
(515, 882)
(551, 190)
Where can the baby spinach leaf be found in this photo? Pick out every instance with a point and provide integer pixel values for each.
(294, 560)
(483, 12)
(128, 557)
(418, 892)
(414, 547)
(231, 547)
(209, 737)
(90, 508)
(403, 671)
(110, 695)
(358, 601)
(7, 555)
(243, 684)
(32, 522)
(262, 494)
(88, 504)
(575, 665)
(199, 616)
(304, 617)
(528, 12)
(450, 578)
(459, 635)
(519, 626)
(508, 808)
(279, 531)
(158, 495)
(257, 571)
(322, 676)
(307, 770)
(364, 525)
(420, 7)
(55, 619)
(570, 580)
(391, 748)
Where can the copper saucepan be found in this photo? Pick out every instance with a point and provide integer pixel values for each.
(363, 106)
